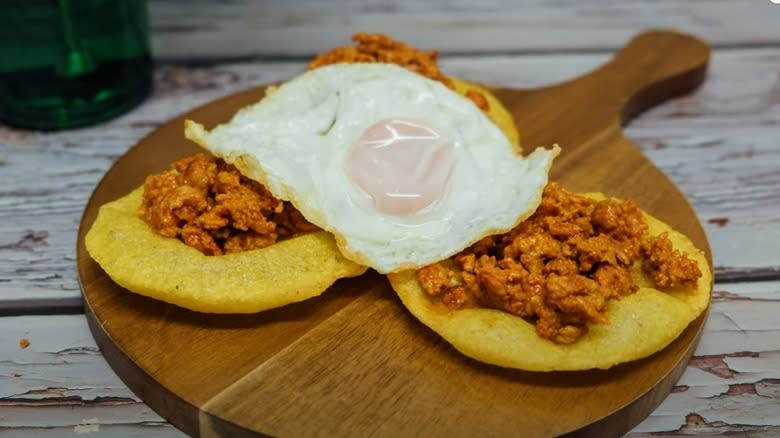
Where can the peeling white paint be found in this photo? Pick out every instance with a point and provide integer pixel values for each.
(87, 426)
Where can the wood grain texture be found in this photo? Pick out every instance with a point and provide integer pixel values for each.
(292, 359)
(729, 386)
(719, 145)
(246, 28)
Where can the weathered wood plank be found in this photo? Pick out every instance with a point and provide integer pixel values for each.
(247, 28)
(732, 385)
(106, 421)
(102, 430)
(61, 385)
(719, 145)
(60, 380)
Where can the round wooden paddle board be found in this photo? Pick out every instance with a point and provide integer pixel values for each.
(354, 362)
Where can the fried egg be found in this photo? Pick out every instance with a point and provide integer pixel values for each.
(402, 170)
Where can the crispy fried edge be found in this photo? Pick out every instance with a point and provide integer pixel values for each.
(166, 269)
(649, 319)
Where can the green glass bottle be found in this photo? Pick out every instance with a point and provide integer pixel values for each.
(68, 63)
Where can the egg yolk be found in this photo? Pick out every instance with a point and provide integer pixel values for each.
(403, 164)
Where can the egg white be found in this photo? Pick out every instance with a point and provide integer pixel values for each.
(294, 141)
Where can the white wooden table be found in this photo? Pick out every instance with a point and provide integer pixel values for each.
(721, 145)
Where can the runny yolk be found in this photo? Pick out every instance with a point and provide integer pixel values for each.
(404, 165)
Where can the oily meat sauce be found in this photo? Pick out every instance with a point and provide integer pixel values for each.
(559, 268)
(380, 48)
(211, 207)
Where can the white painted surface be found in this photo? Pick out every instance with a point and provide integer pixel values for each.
(207, 29)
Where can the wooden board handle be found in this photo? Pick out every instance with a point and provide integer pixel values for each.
(652, 67)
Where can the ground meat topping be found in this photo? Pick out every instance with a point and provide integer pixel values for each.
(560, 267)
(380, 48)
(211, 207)
(667, 266)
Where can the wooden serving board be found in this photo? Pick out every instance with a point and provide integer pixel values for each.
(354, 362)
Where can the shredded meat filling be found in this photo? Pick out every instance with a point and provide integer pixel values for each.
(211, 207)
(560, 267)
(380, 48)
